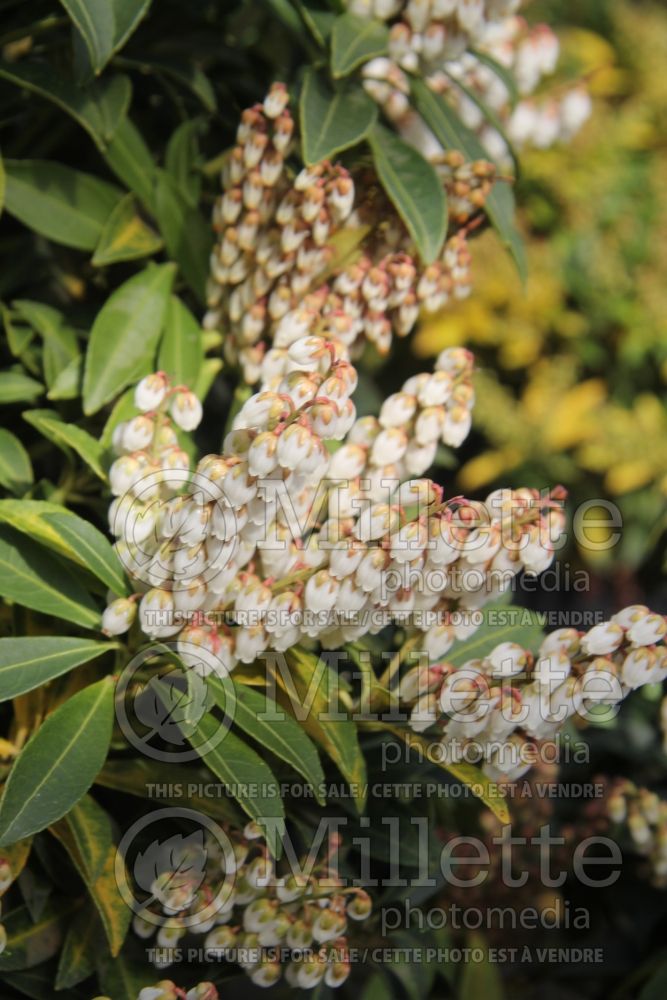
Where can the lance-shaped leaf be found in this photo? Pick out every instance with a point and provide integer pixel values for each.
(27, 662)
(79, 951)
(35, 578)
(59, 763)
(130, 159)
(68, 534)
(172, 704)
(414, 188)
(186, 233)
(125, 335)
(248, 778)
(114, 912)
(181, 350)
(15, 467)
(65, 205)
(282, 736)
(69, 436)
(311, 686)
(451, 133)
(356, 40)
(90, 828)
(333, 120)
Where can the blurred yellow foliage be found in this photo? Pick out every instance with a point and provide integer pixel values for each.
(571, 367)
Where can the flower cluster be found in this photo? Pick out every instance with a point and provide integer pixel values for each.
(426, 33)
(643, 815)
(276, 242)
(273, 231)
(476, 80)
(497, 707)
(270, 925)
(285, 536)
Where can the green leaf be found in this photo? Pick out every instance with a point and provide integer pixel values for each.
(501, 72)
(94, 20)
(250, 781)
(488, 791)
(130, 159)
(67, 384)
(90, 827)
(283, 737)
(182, 160)
(333, 120)
(125, 335)
(61, 346)
(105, 25)
(501, 623)
(124, 978)
(184, 72)
(16, 387)
(67, 436)
(355, 40)
(31, 943)
(34, 578)
(27, 662)
(187, 234)
(77, 958)
(59, 763)
(16, 472)
(99, 108)
(137, 776)
(338, 737)
(451, 133)
(181, 350)
(63, 204)
(2, 185)
(319, 20)
(415, 190)
(125, 236)
(69, 535)
(19, 337)
(114, 912)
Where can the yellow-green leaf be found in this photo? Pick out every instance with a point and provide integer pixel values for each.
(68, 436)
(125, 236)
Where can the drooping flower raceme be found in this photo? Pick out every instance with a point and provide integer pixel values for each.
(496, 709)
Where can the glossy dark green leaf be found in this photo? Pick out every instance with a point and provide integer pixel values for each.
(281, 736)
(333, 120)
(182, 160)
(27, 662)
(32, 576)
(63, 204)
(414, 188)
(249, 779)
(61, 346)
(355, 40)
(98, 108)
(125, 335)
(59, 763)
(78, 956)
